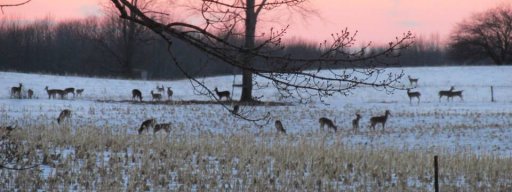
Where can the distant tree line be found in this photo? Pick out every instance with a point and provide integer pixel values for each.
(110, 46)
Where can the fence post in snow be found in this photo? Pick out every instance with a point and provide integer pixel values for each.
(436, 175)
(492, 94)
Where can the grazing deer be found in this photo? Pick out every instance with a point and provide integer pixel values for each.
(456, 94)
(162, 126)
(355, 122)
(16, 91)
(147, 124)
(160, 89)
(413, 95)
(156, 96)
(70, 90)
(52, 92)
(169, 93)
(79, 92)
(446, 93)
(136, 93)
(379, 119)
(64, 114)
(413, 80)
(325, 121)
(30, 93)
(279, 127)
(222, 94)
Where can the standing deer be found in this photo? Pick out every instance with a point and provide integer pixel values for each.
(30, 93)
(70, 90)
(156, 96)
(355, 122)
(446, 93)
(136, 94)
(379, 119)
(79, 92)
(52, 92)
(413, 80)
(61, 93)
(413, 95)
(16, 91)
(222, 94)
(147, 124)
(160, 89)
(456, 94)
(64, 114)
(162, 126)
(169, 93)
(325, 121)
(279, 127)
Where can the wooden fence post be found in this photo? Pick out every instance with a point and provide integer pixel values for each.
(492, 94)
(436, 175)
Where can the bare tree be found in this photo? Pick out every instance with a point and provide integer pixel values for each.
(292, 76)
(2, 5)
(486, 35)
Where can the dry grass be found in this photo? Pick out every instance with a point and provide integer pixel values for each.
(93, 158)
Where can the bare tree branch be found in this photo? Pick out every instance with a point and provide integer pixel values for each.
(13, 5)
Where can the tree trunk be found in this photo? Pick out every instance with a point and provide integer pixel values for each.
(250, 30)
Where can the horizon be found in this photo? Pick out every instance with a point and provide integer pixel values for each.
(378, 22)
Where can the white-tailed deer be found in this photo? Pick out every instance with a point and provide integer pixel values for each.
(136, 94)
(156, 96)
(456, 94)
(30, 93)
(160, 89)
(147, 124)
(413, 95)
(355, 122)
(222, 94)
(169, 93)
(279, 127)
(70, 90)
(61, 93)
(16, 91)
(379, 119)
(52, 92)
(162, 126)
(330, 124)
(446, 93)
(64, 114)
(79, 92)
(413, 80)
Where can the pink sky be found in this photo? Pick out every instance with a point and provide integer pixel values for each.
(376, 20)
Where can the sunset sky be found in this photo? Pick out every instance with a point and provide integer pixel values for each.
(376, 20)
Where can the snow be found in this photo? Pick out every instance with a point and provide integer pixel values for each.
(474, 124)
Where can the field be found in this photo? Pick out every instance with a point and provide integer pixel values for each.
(210, 150)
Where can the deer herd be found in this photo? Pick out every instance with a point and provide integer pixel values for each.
(16, 92)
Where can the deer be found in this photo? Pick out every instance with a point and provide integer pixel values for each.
(62, 93)
(456, 94)
(325, 121)
(413, 80)
(413, 95)
(52, 92)
(30, 93)
(79, 92)
(70, 90)
(64, 114)
(136, 94)
(279, 127)
(446, 93)
(222, 94)
(156, 96)
(355, 122)
(147, 124)
(379, 119)
(16, 91)
(169, 93)
(160, 89)
(162, 126)
(235, 110)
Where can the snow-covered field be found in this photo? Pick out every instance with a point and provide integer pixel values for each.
(475, 124)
